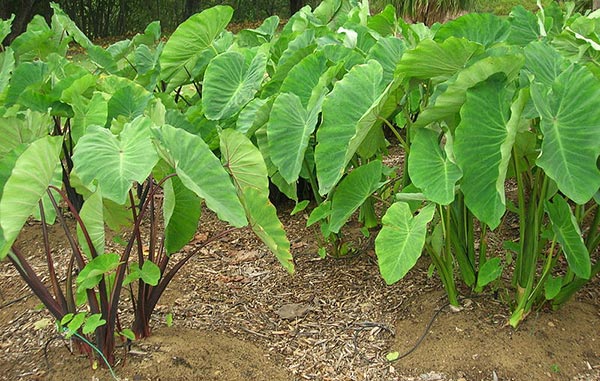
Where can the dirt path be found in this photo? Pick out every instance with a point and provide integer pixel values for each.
(238, 316)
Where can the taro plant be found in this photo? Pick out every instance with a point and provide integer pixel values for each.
(514, 102)
(94, 127)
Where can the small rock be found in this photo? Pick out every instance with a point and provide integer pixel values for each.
(293, 310)
(550, 324)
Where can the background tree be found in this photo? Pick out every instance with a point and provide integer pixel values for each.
(24, 10)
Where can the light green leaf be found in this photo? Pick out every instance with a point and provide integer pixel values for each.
(116, 161)
(187, 43)
(430, 169)
(484, 28)
(130, 101)
(181, 212)
(569, 117)
(150, 273)
(552, 287)
(249, 172)
(91, 274)
(438, 60)
(230, 83)
(243, 161)
(267, 226)
(388, 52)
(483, 146)
(400, 242)
(524, 27)
(33, 171)
(7, 64)
(350, 109)
(92, 323)
(289, 130)
(5, 26)
(568, 234)
(489, 272)
(201, 171)
(304, 77)
(92, 216)
(544, 62)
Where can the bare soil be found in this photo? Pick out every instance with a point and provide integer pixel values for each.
(237, 315)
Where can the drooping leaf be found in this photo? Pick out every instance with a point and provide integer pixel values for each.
(568, 234)
(438, 60)
(92, 216)
(400, 241)
(230, 83)
(483, 146)
(430, 169)
(5, 27)
(384, 23)
(352, 192)
(449, 102)
(190, 39)
(569, 122)
(243, 161)
(201, 171)
(181, 211)
(289, 129)
(267, 226)
(484, 28)
(33, 171)
(249, 172)
(347, 110)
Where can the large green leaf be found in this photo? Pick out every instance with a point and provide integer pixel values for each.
(130, 101)
(32, 173)
(349, 110)
(544, 62)
(484, 28)
(304, 77)
(568, 234)
(449, 102)
(438, 60)
(116, 161)
(524, 26)
(230, 82)
(569, 121)
(190, 39)
(249, 172)
(181, 212)
(483, 146)
(289, 130)
(25, 127)
(352, 192)
(430, 169)
(92, 215)
(201, 171)
(388, 52)
(400, 242)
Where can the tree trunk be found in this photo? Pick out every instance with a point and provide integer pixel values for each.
(295, 6)
(190, 7)
(596, 5)
(24, 10)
